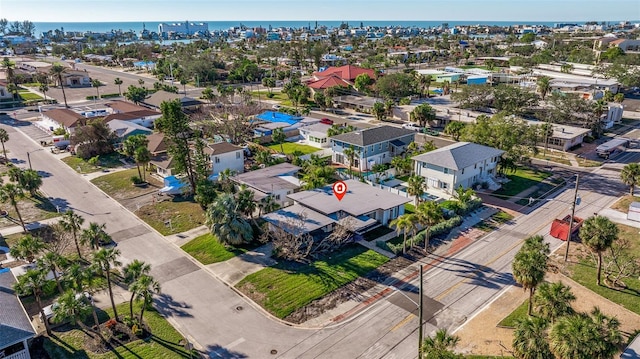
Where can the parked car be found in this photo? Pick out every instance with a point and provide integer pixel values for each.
(49, 309)
(431, 132)
(326, 121)
(354, 118)
(412, 126)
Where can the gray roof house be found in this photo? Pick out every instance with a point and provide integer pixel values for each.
(362, 208)
(278, 181)
(15, 326)
(460, 164)
(373, 145)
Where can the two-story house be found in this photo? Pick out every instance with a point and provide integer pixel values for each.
(460, 164)
(372, 145)
(225, 155)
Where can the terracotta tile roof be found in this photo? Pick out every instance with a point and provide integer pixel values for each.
(127, 116)
(156, 144)
(328, 82)
(220, 148)
(346, 72)
(65, 117)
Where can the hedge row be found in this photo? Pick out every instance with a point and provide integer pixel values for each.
(443, 227)
(107, 95)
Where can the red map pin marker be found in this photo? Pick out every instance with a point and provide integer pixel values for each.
(339, 189)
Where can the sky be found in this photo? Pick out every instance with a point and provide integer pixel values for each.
(321, 10)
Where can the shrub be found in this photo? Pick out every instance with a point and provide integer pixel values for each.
(136, 180)
(386, 246)
(270, 95)
(59, 131)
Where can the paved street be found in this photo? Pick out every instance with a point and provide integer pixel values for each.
(225, 325)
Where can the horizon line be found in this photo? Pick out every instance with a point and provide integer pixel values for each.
(334, 20)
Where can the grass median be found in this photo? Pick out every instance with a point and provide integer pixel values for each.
(287, 286)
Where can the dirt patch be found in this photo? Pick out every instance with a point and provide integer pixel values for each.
(350, 291)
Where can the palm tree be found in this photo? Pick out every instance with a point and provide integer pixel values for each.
(246, 204)
(4, 137)
(599, 108)
(553, 300)
(53, 262)
(13, 193)
(267, 205)
(84, 279)
(145, 287)
(225, 180)
(351, 153)
(440, 346)
(96, 83)
(71, 306)
(530, 339)
(416, 188)
(279, 137)
(72, 222)
(44, 88)
(118, 82)
(31, 283)
(403, 224)
(630, 175)
(57, 70)
(529, 267)
(544, 86)
(584, 336)
(105, 260)
(30, 181)
(226, 223)
(598, 233)
(608, 329)
(428, 214)
(94, 235)
(142, 156)
(132, 272)
(27, 248)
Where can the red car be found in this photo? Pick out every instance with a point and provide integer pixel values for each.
(326, 121)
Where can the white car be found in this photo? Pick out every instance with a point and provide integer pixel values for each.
(412, 126)
(276, 107)
(48, 310)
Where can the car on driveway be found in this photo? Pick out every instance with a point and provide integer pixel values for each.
(412, 126)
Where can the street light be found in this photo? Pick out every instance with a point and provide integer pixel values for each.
(573, 212)
(29, 156)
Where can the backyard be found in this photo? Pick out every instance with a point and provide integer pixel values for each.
(287, 286)
(291, 147)
(520, 180)
(207, 249)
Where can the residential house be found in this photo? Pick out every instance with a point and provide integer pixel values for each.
(460, 164)
(126, 111)
(61, 118)
(316, 135)
(160, 159)
(157, 98)
(73, 78)
(15, 325)
(124, 129)
(277, 181)
(361, 209)
(4, 92)
(224, 156)
(372, 145)
(563, 137)
(338, 76)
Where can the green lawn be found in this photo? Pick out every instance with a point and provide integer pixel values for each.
(82, 166)
(521, 180)
(171, 217)
(28, 96)
(207, 249)
(377, 233)
(623, 203)
(290, 148)
(409, 208)
(585, 274)
(165, 341)
(285, 287)
(519, 313)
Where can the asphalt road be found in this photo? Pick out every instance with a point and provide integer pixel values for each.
(225, 325)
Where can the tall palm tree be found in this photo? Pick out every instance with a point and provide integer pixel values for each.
(72, 307)
(530, 339)
(544, 86)
(94, 235)
(529, 267)
(132, 272)
(429, 214)
(145, 287)
(57, 70)
(351, 154)
(584, 336)
(142, 157)
(224, 178)
(439, 346)
(267, 205)
(31, 283)
(598, 233)
(10, 75)
(553, 300)
(416, 188)
(53, 262)
(226, 223)
(27, 248)
(608, 329)
(96, 83)
(107, 259)
(630, 175)
(246, 204)
(118, 82)
(4, 137)
(85, 279)
(13, 193)
(72, 222)
(403, 224)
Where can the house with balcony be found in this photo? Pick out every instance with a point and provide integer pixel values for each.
(460, 164)
(15, 324)
(224, 156)
(318, 211)
(371, 145)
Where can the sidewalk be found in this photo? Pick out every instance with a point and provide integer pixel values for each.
(618, 217)
(7, 231)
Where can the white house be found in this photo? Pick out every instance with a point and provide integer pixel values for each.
(316, 135)
(61, 117)
(224, 156)
(460, 164)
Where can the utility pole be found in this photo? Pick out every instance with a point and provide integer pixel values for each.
(420, 316)
(573, 212)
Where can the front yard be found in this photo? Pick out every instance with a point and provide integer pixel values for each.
(104, 162)
(119, 185)
(521, 180)
(291, 147)
(287, 286)
(171, 217)
(207, 249)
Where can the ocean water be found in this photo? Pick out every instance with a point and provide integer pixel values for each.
(224, 25)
